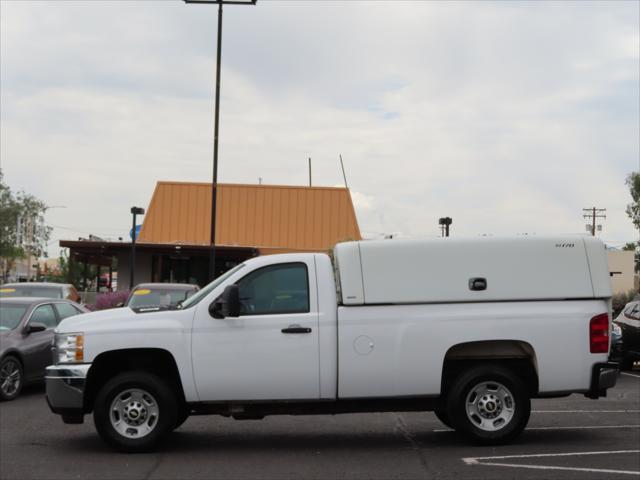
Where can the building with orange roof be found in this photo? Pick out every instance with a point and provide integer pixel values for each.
(173, 243)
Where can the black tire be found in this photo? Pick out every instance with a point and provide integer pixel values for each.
(127, 387)
(499, 404)
(11, 378)
(181, 417)
(443, 417)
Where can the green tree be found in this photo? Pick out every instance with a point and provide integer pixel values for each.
(633, 247)
(62, 275)
(22, 227)
(9, 249)
(633, 209)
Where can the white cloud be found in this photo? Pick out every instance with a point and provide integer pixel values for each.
(509, 118)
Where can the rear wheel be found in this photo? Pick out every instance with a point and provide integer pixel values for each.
(489, 403)
(11, 378)
(134, 411)
(443, 417)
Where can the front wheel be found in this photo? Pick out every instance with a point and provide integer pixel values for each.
(181, 416)
(11, 378)
(490, 404)
(134, 411)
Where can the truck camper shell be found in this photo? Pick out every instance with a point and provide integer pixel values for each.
(485, 269)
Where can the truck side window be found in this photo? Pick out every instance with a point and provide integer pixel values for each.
(275, 289)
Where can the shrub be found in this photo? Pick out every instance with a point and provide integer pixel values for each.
(108, 300)
(619, 300)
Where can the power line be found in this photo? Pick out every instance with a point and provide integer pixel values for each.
(100, 229)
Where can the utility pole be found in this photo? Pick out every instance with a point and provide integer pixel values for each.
(592, 214)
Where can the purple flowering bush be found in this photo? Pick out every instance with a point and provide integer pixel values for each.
(108, 300)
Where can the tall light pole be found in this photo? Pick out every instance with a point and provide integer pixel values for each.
(214, 183)
(444, 223)
(135, 211)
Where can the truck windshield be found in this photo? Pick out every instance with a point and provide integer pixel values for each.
(195, 299)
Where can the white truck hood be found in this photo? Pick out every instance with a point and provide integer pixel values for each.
(89, 321)
(121, 319)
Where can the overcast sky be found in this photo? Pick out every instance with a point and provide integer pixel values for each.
(509, 117)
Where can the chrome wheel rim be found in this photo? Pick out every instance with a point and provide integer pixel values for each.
(10, 378)
(490, 406)
(134, 413)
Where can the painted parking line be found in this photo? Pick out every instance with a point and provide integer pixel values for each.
(582, 427)
(585, 411)
(490, 461)
(630, 374)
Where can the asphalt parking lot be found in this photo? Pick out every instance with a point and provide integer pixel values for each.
(572, 437)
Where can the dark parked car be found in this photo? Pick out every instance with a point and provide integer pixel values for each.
(160, 294)
(616, 353)
(26, 333)
(629, 323)
(40, 290)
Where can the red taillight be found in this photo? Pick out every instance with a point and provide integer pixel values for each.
(599, 334)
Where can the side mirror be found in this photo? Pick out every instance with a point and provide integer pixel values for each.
(227, 305)
(34, 327)
(119, 304)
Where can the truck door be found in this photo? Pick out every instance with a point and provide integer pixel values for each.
(269, 352)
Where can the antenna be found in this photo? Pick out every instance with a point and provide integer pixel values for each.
(309, 171)
(343, 174)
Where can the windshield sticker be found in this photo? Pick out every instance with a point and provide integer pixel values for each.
(7, 290)
(143, 291)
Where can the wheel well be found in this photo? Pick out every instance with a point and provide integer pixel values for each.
(514, 354)
(15, 354)
(109, 364)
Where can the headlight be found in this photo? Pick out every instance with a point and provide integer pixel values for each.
(616, 329)
(69, 348)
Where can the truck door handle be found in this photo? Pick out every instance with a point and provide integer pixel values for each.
(477, 283)
(296, 329)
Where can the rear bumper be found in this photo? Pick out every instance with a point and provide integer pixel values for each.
(603, 376)
(65, 386)
(616, 354)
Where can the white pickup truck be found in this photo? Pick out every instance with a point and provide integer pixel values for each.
(469, 329)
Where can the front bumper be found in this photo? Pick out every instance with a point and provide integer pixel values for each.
(603, 376)
(65, 390)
